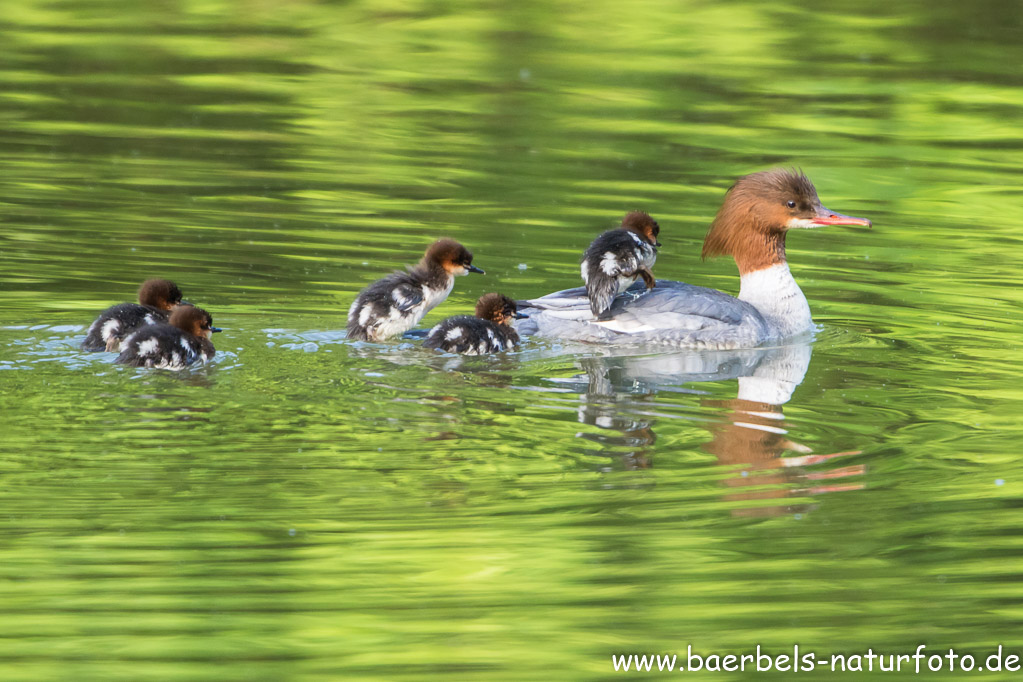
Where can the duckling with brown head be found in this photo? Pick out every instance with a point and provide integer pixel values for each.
(490, 331)
(616, 258)
(157, 297)
(393, 305)
(182, 341)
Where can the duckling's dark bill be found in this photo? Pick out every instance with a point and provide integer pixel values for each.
(473, 268)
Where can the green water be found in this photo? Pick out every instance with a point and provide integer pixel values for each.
(310, 509)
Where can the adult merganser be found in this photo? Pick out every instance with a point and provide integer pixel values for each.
(174, 345)
(157, 297)
(394, 304)
(616, 258)
(490, 331)
(758, 211)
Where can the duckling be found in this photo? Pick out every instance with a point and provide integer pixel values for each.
(489, 332)
(184, 339)
(157, 297)
(394, 304)
(616, 258)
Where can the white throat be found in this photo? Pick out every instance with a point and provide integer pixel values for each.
(778, 298)
(434, 297)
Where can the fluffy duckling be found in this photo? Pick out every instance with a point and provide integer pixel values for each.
(184, 339)
(617, 257)
(157, 297)
(490, 331)
(394, 304)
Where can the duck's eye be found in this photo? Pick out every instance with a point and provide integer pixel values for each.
(790, 203)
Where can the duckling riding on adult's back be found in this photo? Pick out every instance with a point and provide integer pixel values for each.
(751, 226)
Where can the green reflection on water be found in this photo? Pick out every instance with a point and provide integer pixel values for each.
(309, 509)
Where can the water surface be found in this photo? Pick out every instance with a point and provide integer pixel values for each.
(311, 509)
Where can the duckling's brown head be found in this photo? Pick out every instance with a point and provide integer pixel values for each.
(160, 293)
(642, 225)
(451, 256)
(498, 309)
(193, 320)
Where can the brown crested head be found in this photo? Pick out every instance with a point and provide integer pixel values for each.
(497, 308)
(160, 293)
(193, 320)
(450, 256)
(643, 225)
(757, 212)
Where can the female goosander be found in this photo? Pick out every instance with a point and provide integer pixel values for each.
(394, 304)
(616, 258)
(490, 331)
(184, 339)
(157, 297)
(758, 211)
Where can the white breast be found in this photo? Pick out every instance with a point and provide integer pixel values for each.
(648, 256)
(779, 299)
(434, 297)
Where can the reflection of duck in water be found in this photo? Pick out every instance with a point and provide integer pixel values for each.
(634, 437)
(753, 438)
